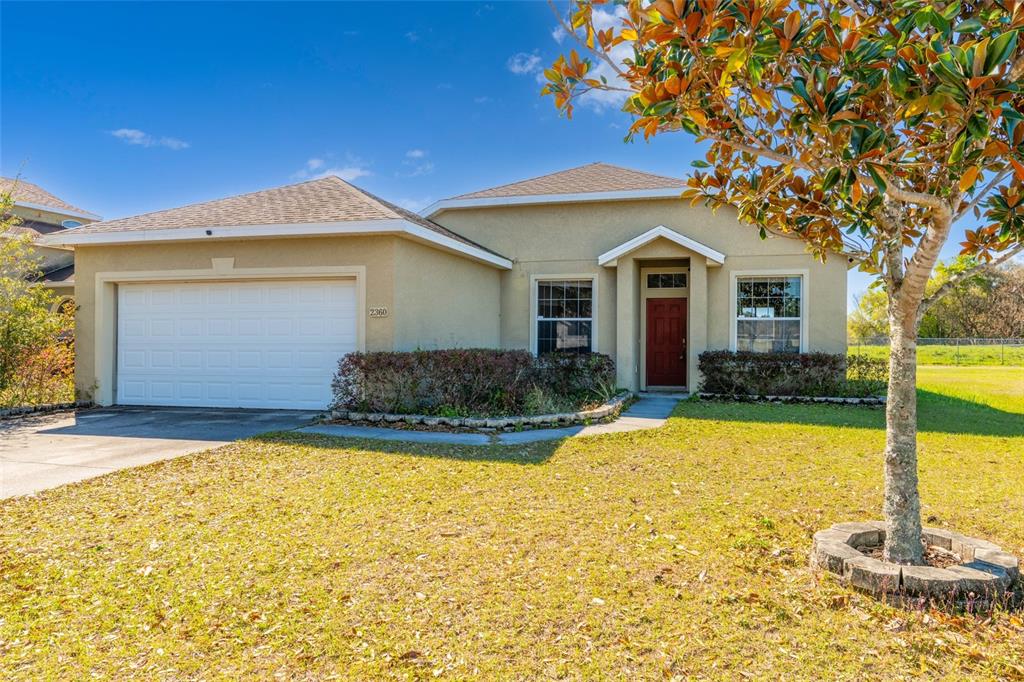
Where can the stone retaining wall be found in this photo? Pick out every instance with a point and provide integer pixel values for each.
(609, 410)
(23, 410)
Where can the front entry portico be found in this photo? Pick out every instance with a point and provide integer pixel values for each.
(661, 288)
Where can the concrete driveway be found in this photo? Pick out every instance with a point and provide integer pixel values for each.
(46, 451)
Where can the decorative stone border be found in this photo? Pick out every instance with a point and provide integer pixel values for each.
(985, 570)
(24, 410)
(831, 400)
(609, 410)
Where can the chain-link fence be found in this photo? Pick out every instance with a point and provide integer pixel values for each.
(962, 351)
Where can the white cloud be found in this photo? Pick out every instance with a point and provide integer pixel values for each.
(523, 63)
(483, 99)
(143, 139)
(316, 168)
(412, 36)
(415, 164)
(559, 34)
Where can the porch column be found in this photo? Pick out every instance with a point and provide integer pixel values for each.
(627, 325)
(697, 325)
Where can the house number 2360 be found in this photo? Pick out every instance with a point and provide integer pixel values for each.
(379, 312)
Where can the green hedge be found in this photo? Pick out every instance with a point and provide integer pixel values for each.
(791, 374)
(471, 382)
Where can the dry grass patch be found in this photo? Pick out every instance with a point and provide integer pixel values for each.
(679, 552)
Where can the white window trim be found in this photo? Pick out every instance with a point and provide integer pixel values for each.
(535, 280)
(805, 307)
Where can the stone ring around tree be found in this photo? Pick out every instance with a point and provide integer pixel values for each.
(957, 569)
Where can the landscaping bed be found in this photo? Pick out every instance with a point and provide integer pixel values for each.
(601, 413)
(451, 387)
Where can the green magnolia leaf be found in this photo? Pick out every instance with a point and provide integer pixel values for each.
(830, 179)
(876, 177)
(957, 152)
(977, 125)
(700, 164)
(999, 49)
(969, 26)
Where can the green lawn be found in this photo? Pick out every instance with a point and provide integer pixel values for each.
(679, 553)
(953, 355)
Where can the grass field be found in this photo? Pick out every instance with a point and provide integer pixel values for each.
(675, 553)
(953, 355)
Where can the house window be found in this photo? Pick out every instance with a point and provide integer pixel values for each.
(565, 316)
(666, 280)
(768, 314)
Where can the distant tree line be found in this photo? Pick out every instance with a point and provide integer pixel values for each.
(989, 304)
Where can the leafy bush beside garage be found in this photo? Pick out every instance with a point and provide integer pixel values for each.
(471, 382)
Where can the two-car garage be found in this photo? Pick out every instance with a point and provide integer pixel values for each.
(258, 344)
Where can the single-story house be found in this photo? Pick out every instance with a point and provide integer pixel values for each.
(250, 301)
(40, 213)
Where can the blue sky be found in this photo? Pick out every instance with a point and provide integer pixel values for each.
(123, 108)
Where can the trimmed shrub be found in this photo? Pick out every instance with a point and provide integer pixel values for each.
(783, 374)
(573, 374)
(461, 382)
(866, 375)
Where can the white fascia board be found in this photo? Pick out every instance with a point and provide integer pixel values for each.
(609, 258)
(397, 226)
(624, 195)
(57, 210)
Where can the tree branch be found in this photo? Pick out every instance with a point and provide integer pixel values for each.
(952, 283)
(981, 195)
(600, 54)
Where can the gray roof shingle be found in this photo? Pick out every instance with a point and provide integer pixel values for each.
(594, 177)
(324, 200)
(22, 191)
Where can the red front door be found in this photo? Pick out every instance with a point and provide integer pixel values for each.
(666, 342)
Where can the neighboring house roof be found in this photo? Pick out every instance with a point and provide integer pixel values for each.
(30, 195)
(593, 182)
(324, 206)
(60, 276)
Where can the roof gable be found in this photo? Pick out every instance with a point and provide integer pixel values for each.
(594, 177)
(30, 195)
(324, 206)
(610, 257)
(593, 182)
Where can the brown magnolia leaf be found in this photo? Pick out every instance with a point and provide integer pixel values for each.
(968, 178)
(792, 25)
(1018, 168)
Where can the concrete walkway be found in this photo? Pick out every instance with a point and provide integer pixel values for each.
(649, 412)
(43, 451)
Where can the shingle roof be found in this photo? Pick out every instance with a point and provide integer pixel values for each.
(31, 193)
(325, 200)
(594, 177)
(65, 274)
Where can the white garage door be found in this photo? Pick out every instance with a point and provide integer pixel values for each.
(273, 344)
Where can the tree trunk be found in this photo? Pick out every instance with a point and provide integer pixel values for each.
(902, 505)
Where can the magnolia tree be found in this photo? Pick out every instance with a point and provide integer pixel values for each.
(865, 128)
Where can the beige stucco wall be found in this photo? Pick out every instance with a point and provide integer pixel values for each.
(566, 239)
(443, 300)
